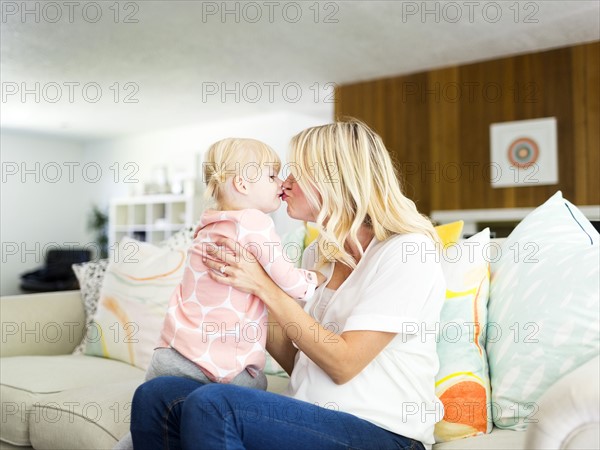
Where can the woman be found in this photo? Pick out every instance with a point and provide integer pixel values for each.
(361, 354)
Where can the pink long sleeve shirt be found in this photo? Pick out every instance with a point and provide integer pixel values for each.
(219, 328)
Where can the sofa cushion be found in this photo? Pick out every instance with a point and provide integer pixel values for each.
(277, 383)
(92, 417)
(496, 440)
(544, 307)
(27, 380)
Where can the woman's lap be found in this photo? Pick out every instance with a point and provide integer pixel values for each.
(171, 412)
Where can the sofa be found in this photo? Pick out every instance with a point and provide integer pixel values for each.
(53, 399)
(56, 399)
(83, 402)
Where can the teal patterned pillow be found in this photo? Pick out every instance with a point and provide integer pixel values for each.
(544, 308)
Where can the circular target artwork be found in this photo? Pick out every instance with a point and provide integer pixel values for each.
(523, 152)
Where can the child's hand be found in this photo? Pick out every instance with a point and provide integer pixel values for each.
(320, 278)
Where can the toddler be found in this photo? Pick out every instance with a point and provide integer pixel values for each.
(221, 330)
(212, 332)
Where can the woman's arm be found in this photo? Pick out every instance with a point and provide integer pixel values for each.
(342, 357)
(280, 346)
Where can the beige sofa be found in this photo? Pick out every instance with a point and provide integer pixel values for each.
(52, 399)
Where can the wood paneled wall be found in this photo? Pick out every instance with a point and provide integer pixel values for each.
(436, 125)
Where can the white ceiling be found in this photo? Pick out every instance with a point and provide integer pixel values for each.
(178, 51)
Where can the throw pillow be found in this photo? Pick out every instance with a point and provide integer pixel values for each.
(312, 233)
(90, 276)
(182, 239)
(462, 382)
(544, 304)
(450, 233)
(138, 284)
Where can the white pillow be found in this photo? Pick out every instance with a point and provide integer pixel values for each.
(544, 308)
(138, 284)
(182, 239)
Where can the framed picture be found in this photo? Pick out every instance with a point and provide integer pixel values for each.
(524, 153)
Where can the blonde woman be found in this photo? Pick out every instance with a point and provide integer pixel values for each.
(361, 354)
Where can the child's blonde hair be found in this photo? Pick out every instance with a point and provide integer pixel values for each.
(233, 157)
(347, 175)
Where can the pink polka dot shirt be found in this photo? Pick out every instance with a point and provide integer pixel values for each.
(219, 328)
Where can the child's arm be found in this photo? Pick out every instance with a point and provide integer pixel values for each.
(257, 235)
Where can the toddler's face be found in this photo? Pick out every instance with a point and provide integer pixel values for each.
(265, 188)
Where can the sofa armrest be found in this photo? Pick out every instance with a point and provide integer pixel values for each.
(41, 324)
(568, 415)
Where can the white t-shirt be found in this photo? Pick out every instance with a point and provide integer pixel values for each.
(398, 286)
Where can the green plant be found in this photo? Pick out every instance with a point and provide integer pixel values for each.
(98, 223)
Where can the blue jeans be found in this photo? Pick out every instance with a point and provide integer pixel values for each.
(178, 413)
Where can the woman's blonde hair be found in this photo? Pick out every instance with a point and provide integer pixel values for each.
(235, 157)
(347, 175)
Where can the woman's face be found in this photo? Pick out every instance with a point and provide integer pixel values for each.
(297, 204)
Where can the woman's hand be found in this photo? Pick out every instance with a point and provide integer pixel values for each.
(235, 267)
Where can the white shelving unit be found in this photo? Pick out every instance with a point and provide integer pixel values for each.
(151, 218)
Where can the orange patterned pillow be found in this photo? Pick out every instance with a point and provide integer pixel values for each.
(462, 382)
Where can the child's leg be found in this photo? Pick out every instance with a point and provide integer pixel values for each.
(169, 362)
(245, 379)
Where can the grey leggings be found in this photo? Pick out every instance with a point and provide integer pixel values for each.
(169, 362)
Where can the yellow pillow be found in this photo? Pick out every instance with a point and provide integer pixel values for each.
(450, 233)
(311, 234)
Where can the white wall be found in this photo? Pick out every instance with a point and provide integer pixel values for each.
(35, 213)
(42, 204)
(179, 149)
